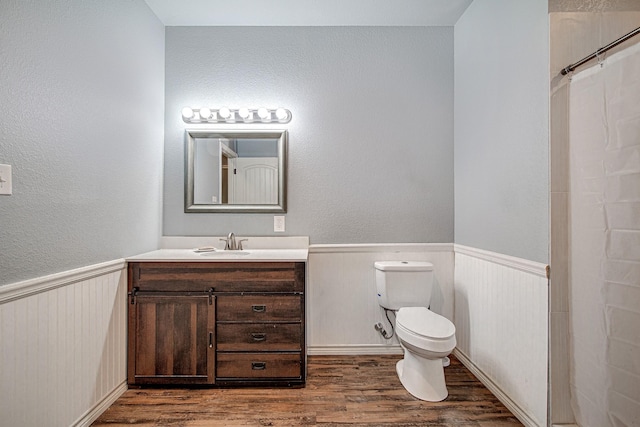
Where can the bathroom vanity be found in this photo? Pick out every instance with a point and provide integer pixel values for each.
(219, 319)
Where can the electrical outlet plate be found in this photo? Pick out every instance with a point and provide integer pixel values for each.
(5, 180)
(278, 223)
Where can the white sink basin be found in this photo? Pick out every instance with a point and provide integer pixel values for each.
(224, 254)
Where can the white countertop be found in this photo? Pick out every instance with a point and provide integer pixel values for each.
(248, 255)
(256, 248)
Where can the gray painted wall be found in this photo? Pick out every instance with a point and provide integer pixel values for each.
(501, 128)
(81, 121)
(371, 139)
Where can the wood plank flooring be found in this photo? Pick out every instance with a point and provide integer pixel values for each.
(341, 390)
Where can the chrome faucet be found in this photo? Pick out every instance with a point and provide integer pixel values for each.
(231, 244)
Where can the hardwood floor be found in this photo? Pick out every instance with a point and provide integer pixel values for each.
(352, 390)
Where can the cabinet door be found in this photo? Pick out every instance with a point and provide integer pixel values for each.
(172, 339)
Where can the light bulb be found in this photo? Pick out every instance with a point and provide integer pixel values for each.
(244, 113)
(263, 113)
(205, 113)
(224, 112)
(187, 113)
(282, 114)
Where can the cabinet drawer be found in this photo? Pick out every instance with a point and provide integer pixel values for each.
(259, 308)
(258, 365)
(259, 336)
(222, 276)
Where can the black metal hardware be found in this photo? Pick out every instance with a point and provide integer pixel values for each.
(258, 336)
(210, 339)
(132, 295)
(211, 291)
(258, 366)
(259, 308)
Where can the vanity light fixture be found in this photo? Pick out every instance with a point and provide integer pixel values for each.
(282, 115)
(235, 115)
(245, 114)
(205, 113)
(187, 114)
(224, 112)
(264, 114)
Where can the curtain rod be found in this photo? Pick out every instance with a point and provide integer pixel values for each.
(569, 68)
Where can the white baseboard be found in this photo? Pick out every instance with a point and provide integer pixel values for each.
(353, 350)
(92, 414)
(519, 413)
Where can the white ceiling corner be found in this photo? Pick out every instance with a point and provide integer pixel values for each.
(309, 12)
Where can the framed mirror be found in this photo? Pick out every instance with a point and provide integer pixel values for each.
(235, 171)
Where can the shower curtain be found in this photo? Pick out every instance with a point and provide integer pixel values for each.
(605, 242)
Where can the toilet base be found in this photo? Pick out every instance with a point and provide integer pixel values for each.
(423, 378)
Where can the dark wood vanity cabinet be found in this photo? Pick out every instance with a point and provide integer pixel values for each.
(218, 323)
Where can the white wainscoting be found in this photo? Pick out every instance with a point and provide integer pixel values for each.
(63, 337)
(63, 346)
(501, 318)
(342, 305)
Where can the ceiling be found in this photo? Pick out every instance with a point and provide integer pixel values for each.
(308, 12)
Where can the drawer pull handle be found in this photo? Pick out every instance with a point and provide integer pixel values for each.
(258, 336)
(258, 366)
(259, 308)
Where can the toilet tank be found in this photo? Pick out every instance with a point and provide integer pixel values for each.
(404, 283)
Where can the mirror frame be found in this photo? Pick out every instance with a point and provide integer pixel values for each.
(190, 137)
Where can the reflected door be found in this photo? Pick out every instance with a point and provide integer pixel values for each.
(253, 181)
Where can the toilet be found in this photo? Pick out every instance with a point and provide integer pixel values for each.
(427, 338)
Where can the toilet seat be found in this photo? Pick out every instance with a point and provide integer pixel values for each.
(422, 328)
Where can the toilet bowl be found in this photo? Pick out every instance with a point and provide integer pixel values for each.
(426, 338)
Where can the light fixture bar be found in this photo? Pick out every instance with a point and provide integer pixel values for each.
(235, 115)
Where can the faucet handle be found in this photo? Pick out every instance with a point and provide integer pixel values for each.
(240, 243)
(226, 244)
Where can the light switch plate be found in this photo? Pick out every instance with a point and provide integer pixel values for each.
(278, 223)
(5, 180)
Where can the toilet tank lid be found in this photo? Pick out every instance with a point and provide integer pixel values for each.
(403, 266)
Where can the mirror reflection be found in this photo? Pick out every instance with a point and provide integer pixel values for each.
(235, 171)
